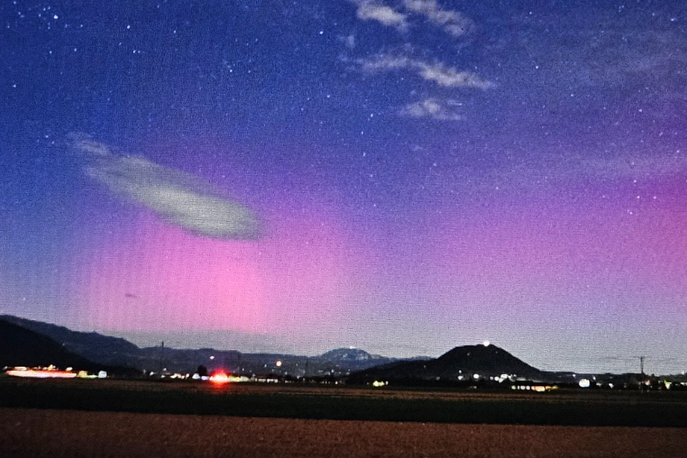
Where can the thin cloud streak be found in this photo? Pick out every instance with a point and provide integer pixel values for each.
(640, 166)
(437, 73)
(442, 110)
(553, 172)
(180, 198)
(385, 15)
(450, 21)
(450, 77)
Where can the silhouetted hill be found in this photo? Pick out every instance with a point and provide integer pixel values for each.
(461, 364)
(352, 359)
(349, 354)
(22, 347)
(90, 345)
(483, 359)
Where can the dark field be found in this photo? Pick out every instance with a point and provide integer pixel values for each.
(106, 418)
(64, 433)
(567, 408)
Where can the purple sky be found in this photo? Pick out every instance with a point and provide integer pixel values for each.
(403, 177)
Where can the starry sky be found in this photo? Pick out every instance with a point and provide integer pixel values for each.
(402, 176)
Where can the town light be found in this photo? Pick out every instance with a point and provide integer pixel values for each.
(219, 378)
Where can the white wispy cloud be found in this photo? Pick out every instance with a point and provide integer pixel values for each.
(443, 110)
(384, 63)
(180, 198)
(450, 77)
(370, 10)
(435, 72)
(424, 15)
(452, 22)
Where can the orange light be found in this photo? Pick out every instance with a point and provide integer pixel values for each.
(33, 373)
(219, 378)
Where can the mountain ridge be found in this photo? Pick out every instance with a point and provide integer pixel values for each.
(118, 351)
(467, 364)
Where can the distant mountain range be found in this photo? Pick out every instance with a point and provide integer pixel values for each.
(27, 342)
(33, 343)
(116, 351)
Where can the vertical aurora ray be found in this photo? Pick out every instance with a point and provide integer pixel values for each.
(164, 278)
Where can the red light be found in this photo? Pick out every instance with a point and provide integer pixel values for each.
(219, 378)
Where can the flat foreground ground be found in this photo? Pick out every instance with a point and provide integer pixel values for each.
(295, 401)
(72, 433)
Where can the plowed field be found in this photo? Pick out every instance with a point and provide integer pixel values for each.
(60, 433)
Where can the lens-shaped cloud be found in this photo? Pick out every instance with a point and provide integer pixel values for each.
(180, 198)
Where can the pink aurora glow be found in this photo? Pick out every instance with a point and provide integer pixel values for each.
(164, 278)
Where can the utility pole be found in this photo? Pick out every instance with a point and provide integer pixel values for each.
(642, 386)
(162, 357)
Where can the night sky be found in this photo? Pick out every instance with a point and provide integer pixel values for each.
(399, 176)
